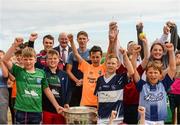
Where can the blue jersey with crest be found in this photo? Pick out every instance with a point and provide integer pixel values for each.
(153, 98)
(110, 95)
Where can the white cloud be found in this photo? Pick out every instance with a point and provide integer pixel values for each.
(54, 16)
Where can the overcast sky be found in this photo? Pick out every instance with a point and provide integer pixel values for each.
(21, 17)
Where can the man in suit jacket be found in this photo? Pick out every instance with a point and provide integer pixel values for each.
(63, 48)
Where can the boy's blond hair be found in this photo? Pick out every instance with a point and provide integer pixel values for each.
(53, 52)
(110, 56)
(155, 65)
(28, 52)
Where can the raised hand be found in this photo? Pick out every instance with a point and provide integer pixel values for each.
(141, 110)
(18, 41)
(33, 37)
(136, 48)
(10, 82)
(74, 49)
(113, 31)
(112, 25)
(170, 24)
(122, 51)
(169, 46)
(113, 116)
(139, 26)
(166, 30)
(70, 37)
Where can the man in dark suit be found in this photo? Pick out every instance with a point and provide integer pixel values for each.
(63, 48)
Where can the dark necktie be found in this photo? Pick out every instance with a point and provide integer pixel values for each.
(63, 55)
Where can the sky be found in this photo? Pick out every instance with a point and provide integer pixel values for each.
(21, 17)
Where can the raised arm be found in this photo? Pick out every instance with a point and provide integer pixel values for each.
(139, 29)
(113, 37)
(178, 46)
(142, 112)
(165, 34)
(145, 50)
(135, 53)
(10, 52)
(172, 63)
(136, 50)
(32, 38)
(112, 117)
(76, 54)
(127, 62)
(174, 33)
(136, 76)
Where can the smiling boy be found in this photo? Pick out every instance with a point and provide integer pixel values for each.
(153, 91)
(90, 73)
(30, 83)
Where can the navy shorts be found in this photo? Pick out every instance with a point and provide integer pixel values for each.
(28, 117)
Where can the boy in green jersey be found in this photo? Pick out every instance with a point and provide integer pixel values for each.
(30, 83)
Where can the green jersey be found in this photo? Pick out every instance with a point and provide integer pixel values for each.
(29, 89)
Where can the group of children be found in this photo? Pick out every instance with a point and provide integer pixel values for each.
(117, 87)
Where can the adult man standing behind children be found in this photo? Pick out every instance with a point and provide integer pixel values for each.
(63, 48)
(72, 68)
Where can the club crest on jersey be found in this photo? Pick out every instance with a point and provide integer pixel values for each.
(153, 98)
(100, 72)
(62, 79)
(39, 80)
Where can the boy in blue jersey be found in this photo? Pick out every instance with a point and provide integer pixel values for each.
(153, 91)
(109, 88)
